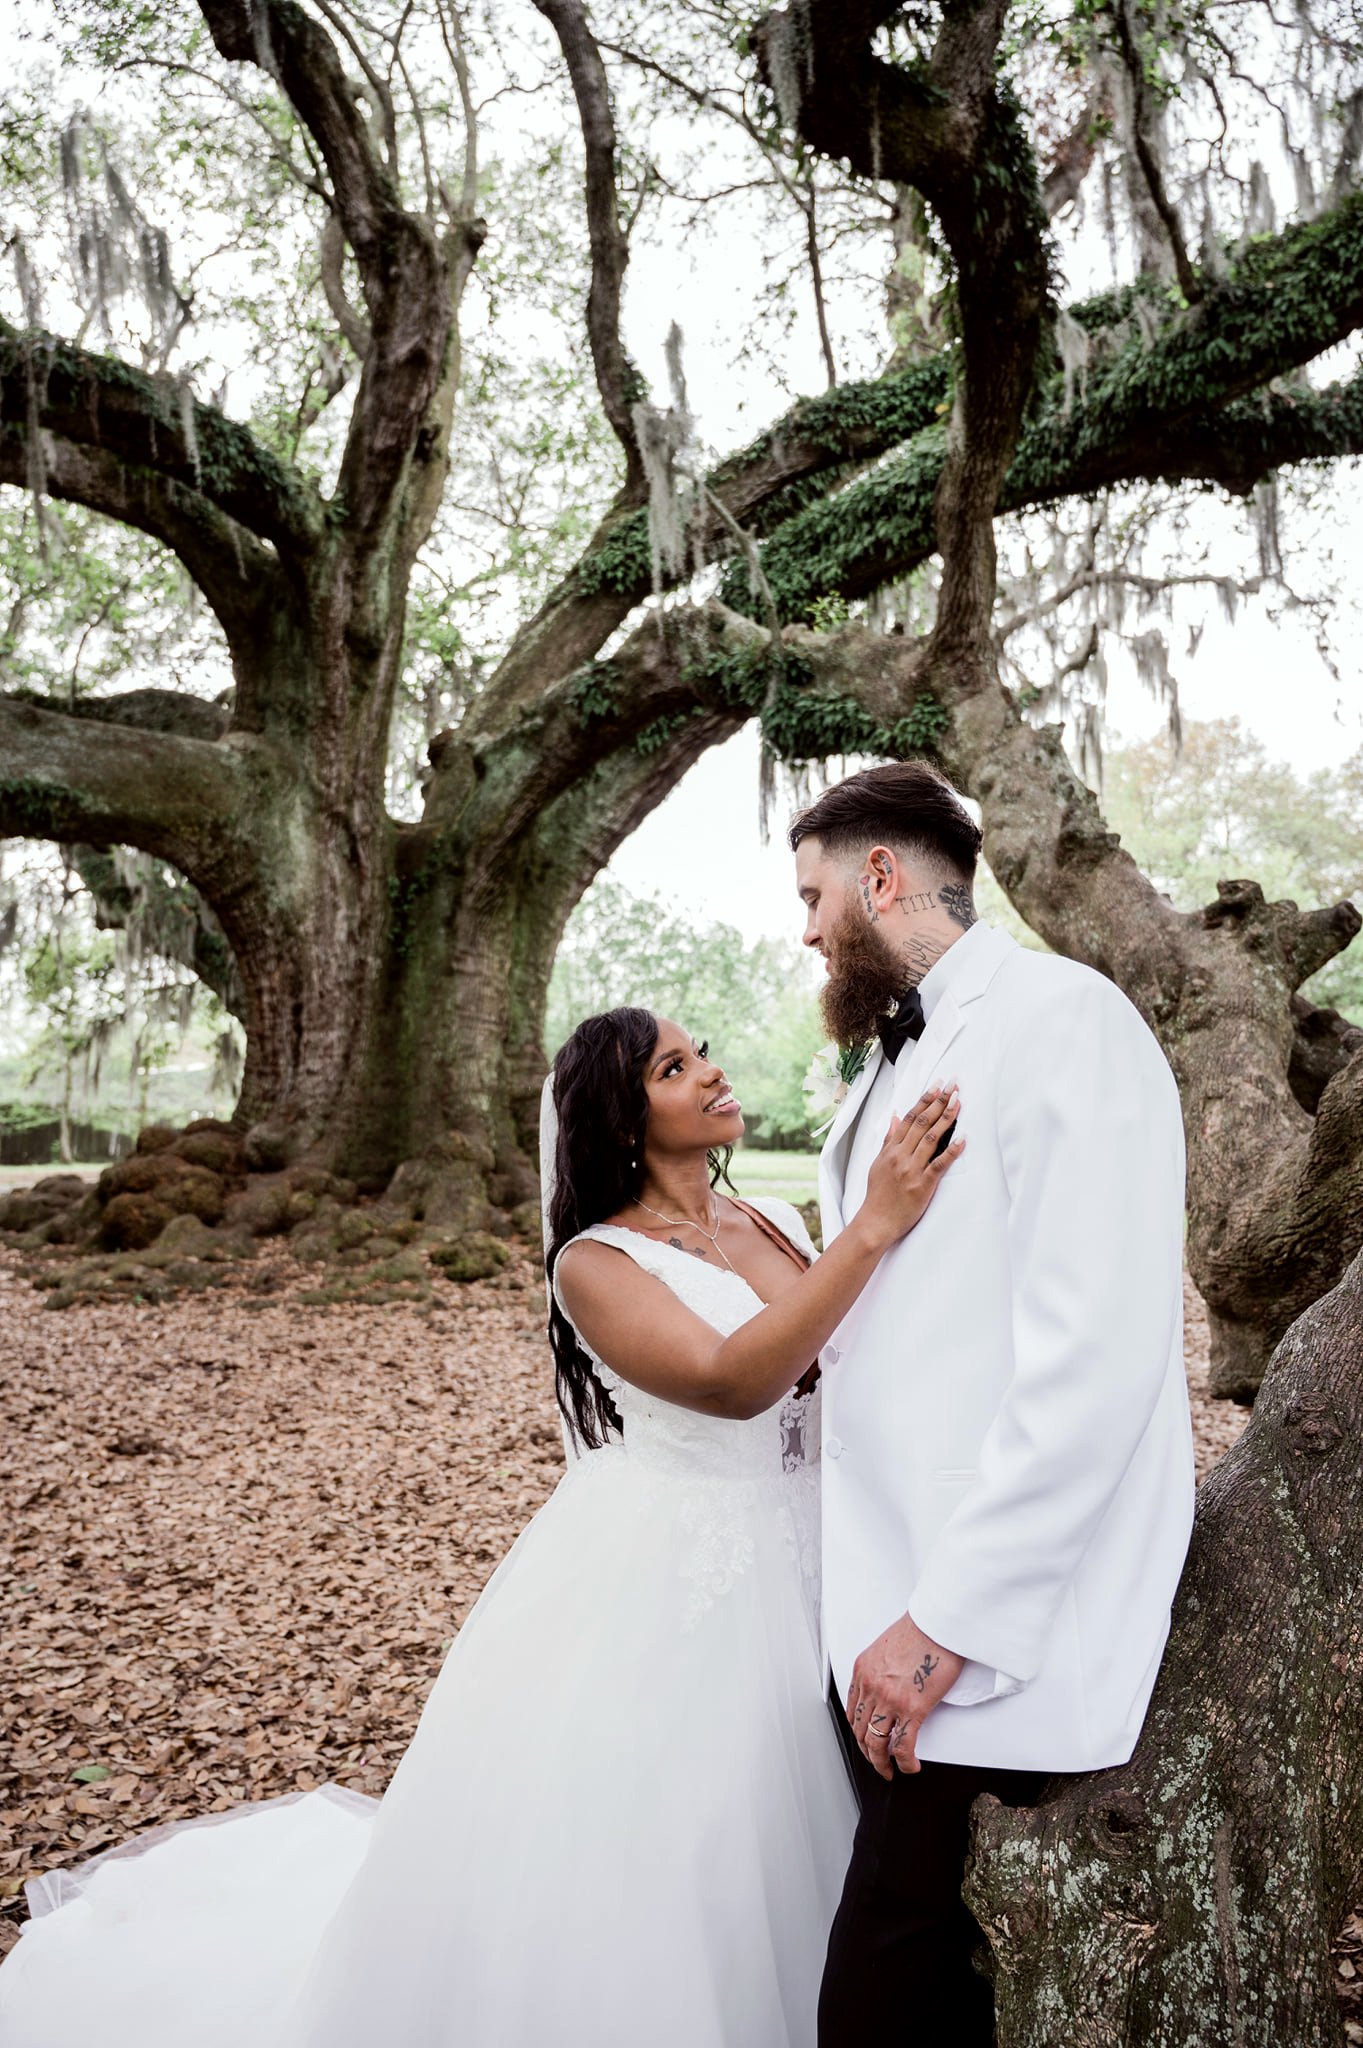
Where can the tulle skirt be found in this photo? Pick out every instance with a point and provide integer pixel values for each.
(623, 1819)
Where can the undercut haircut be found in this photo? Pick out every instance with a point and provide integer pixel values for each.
(907, 805)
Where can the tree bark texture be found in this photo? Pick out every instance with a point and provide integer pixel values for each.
(1188, 1898)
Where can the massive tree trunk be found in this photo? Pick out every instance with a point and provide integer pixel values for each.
(1189, 1898)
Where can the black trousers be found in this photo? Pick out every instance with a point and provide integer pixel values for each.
(899, 1963)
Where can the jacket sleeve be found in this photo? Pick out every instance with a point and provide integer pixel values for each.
(1091, 1135)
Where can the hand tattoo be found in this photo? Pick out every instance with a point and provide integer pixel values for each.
(920, 1676)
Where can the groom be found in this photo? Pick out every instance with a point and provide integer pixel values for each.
(1007, 1454)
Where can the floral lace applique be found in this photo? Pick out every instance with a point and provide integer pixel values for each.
(728, 1471)
(720, 1548)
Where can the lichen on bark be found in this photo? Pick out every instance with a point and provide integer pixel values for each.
(1189, 1897)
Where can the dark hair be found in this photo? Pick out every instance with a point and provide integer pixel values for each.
(907, 804)
(602, 1105)
(602, 1108)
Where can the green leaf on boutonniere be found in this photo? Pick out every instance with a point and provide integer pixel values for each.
(852, 1058)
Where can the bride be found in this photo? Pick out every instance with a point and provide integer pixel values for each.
(624, 1815)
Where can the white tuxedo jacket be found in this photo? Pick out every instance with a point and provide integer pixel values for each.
(1007, 1448)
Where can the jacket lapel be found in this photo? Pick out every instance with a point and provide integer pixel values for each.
(833, 1158)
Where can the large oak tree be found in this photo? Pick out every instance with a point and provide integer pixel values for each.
(392, 973)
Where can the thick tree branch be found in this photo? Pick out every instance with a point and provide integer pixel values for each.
(1161, 413)
(885, 121)
(332, 259)
(94, 781)
(189, 467)
(1142, 136)
(617, 380)
(882, 526)
(954, 135)
(150, 710)
(1149, 415)
(638, 702)
(404, 271)
(234, 571)
(818, 439)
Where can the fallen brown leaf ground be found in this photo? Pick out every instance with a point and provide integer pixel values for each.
(240, 1532)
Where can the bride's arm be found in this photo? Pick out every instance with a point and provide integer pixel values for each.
(637, 1325)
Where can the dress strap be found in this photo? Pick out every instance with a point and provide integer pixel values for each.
(771, 1230)
(810, 1375)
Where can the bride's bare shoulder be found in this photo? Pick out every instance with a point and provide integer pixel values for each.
(596, 1278)
(591, 1254)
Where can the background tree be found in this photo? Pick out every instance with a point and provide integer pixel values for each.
(1217, 804)
(756, 1004)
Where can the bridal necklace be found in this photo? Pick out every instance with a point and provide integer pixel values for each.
(678, 1222)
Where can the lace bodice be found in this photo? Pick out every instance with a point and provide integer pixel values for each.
(784, 1439)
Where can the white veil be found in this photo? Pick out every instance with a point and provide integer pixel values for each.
(572, 1450)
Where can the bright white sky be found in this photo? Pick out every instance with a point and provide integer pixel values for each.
(702, 848)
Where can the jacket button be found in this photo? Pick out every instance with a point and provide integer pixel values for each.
(831, 1354)
(834, 1447)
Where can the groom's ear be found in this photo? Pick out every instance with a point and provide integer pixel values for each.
(879, 879)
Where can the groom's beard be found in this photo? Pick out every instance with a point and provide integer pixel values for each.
(865, 978)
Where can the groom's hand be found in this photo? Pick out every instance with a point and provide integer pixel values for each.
(895, 1686)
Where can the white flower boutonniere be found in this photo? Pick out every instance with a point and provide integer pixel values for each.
(831, 1073)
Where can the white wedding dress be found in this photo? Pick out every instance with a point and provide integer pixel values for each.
(623, 1820)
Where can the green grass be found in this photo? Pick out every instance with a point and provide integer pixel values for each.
(791, 1175)
(25, 1176)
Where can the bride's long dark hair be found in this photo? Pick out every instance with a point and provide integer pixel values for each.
(602, 1107)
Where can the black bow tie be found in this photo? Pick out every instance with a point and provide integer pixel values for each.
(907, 1022)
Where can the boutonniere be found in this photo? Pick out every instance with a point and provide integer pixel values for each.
(831, 1073)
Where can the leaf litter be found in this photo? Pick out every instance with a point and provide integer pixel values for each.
(242, 1531)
